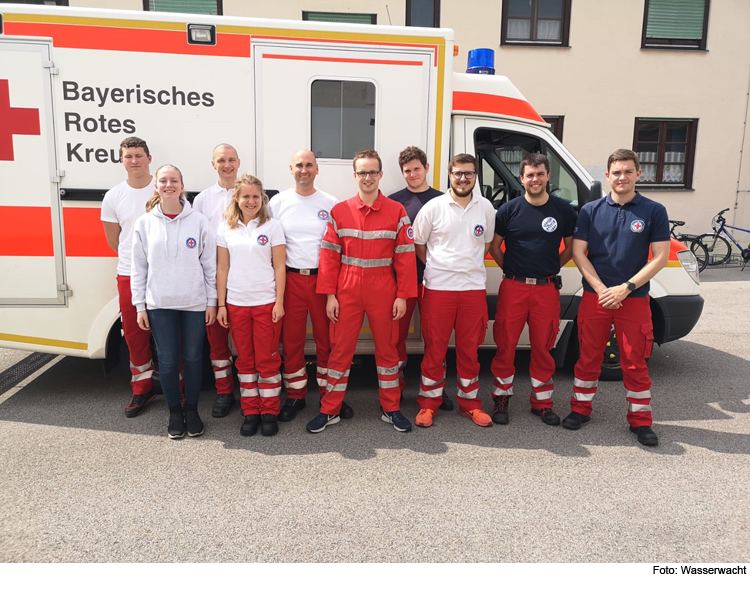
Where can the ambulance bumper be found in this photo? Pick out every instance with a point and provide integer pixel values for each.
(675, 316)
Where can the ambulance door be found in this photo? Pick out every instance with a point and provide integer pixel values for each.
(31, 253)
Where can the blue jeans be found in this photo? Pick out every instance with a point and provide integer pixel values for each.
(169, 327)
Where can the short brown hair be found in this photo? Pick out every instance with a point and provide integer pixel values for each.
(463, 159)
(621, 155)
(367, 154)
(134, 142)
(411, 153)
(534, 159)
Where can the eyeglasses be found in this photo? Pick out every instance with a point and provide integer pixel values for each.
(469, 176)
(365, 174)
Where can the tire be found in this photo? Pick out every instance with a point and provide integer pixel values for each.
(698, 249)
(718, 247)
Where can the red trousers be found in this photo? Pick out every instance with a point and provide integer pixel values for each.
(300, 300)
(442, 313)
(221, 358)
(360, 292)
(138, 340)
(635, 337)
(538, 306)
(403, 333)
(256, 338)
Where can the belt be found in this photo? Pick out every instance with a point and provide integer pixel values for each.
(302, 271)
(531, 280)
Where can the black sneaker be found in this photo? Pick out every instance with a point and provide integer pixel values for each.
(500, 412)
(250, 425)
(447, 403)
(320, 422)
(193, 421)
(268, 425)
(399, 421)
(574, 421)
(138, 404)
(176, 427)
(549, 417)
(646, 435)
(346, 412)
(222, 405)
(290, 409)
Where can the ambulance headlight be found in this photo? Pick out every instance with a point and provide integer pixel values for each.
(690, 264)
(201, 34)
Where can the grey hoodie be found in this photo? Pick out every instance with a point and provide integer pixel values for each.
(174, 262)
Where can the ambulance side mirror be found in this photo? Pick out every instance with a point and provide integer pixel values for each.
(595, 192)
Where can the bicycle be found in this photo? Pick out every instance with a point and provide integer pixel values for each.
(719, 248)
(692, 242)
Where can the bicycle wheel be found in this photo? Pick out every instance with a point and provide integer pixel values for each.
(718, 247)
(698, 249)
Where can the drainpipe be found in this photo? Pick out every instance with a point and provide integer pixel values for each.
(742, 151)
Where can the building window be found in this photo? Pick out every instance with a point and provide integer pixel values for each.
(675, 24)
(38, 2)
(556, 124)
(666, 149)
(188, 6)
(422, 13)
(341, 17)
(343, 118)
(536, 22)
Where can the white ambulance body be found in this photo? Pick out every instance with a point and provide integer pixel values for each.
(75, 82)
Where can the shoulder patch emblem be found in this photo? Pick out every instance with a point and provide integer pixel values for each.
(410, 233)
(549, 224)
(191, 242)
(262, 239)
(478, 230)
(637, 226)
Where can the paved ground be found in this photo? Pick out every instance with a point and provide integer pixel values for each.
(82, 483)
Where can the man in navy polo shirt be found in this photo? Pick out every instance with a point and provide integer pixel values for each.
(611, 249)
(533, 227)
(414, 167)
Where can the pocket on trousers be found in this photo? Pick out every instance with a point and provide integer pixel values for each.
(648, 344)
(555, 328)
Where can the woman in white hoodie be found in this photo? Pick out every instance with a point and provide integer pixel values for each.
(173, 281)
(251, 278)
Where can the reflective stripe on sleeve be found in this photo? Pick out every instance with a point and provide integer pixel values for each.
(330, 246)
(404, 248)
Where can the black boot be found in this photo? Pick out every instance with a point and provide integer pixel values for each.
(268, 425)
(193, 420)
(176, 427)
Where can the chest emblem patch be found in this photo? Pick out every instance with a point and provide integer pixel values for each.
(637, 226)
(410, 233)
(478, 230)
(323, 215)
(549, 224)
(191, 243)
(262, 239)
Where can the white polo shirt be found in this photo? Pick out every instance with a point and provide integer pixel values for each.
(251, 280)
(304, 220)
(213, 203)
(455, 238)
(123, 205)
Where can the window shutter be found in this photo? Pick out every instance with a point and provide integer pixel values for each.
(191, 6)
(340, 17)
(675, 19)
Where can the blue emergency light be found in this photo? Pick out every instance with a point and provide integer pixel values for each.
(481, 61)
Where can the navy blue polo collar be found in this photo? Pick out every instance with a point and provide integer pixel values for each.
(635, 201)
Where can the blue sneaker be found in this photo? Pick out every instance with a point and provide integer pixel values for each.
(399, 421)
(320, 422)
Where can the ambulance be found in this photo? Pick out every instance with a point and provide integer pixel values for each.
(75, 82)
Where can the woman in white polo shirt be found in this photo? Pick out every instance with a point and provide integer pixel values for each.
(250, 279)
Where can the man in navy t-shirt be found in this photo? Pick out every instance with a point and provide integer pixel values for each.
(611, 249)
(533, 228)
(414, 167)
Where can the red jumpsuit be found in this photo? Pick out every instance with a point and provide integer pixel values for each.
(362, 248)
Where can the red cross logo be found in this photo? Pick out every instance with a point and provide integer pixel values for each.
(14, 121)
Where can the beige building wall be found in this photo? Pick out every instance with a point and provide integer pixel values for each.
(602, 83)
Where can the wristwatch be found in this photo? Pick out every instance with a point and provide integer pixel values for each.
(631, 285)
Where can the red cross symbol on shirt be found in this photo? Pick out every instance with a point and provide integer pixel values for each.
(14, 121)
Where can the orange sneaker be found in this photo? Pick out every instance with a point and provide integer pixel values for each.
(424, 418)
(479, 417)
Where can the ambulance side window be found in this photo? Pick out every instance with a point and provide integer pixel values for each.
(343, 118)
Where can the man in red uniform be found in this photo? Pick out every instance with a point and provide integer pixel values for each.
(212, 203)
(532, 228)
(611, 246)
(122, 205)
(414, 167)
(367, 265)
